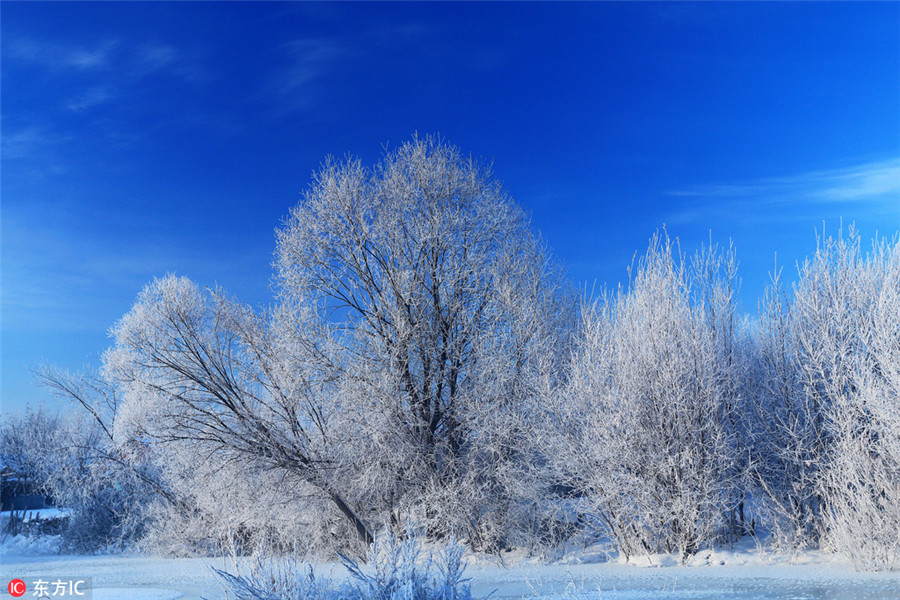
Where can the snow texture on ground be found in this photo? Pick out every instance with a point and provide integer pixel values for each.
(122, 593)
(22, 545)
(744, 576)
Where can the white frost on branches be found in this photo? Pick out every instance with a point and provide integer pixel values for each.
(424, 369)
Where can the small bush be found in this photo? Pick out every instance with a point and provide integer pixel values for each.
(397, 573)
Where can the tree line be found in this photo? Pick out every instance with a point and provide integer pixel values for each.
(425, 363)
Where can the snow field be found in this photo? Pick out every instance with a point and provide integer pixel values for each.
(745, 575)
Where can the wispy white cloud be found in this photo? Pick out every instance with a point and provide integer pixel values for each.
(132, 60)
(34, 150)
(107, 70)
(308, 62)
(22, 143)
(877, 180)
(155, 57)
(158, 58)
(91, 98)
(312, 61)
(57, 56)
(873, 186)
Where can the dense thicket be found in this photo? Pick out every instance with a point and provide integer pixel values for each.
(424, 366)
(827, 399)
(649, 431)
(68, 458)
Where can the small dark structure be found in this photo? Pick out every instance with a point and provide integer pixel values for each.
(18, 493)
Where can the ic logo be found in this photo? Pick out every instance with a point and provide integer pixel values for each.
(16, 587)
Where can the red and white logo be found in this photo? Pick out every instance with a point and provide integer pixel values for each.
(16, 587)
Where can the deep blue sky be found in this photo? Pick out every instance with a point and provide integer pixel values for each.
(146, 138)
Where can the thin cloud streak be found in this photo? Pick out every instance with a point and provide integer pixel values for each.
(121, 67)
(132, 60)
(864, 182)
(297, 85)
(23, 143)
(58, 56)
(311, 58)
(859, 182)
(91, 98)
(312, 61)
(872, 186)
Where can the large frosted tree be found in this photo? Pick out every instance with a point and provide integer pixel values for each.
(447, 312)
(417, 320)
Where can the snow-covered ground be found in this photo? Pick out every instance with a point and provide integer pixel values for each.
(733, 575)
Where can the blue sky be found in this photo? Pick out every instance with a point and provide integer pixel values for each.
(146, 138)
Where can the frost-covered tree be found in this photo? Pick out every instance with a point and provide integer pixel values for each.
(418, 322)
(788, 432)
(715, 284)
(138, 485)
(647, 435)
(26, 443)
(828, 429)
(195, 367)
(449, 318)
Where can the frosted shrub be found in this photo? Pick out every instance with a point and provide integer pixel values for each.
(398, 572)
(828, 432)
(862, 482)
(278, 580)
(863, 516)
(648, 433)
(65, 458)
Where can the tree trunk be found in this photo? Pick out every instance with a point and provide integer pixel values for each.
(365, 534)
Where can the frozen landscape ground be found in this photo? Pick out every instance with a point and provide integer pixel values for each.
(742, 574)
